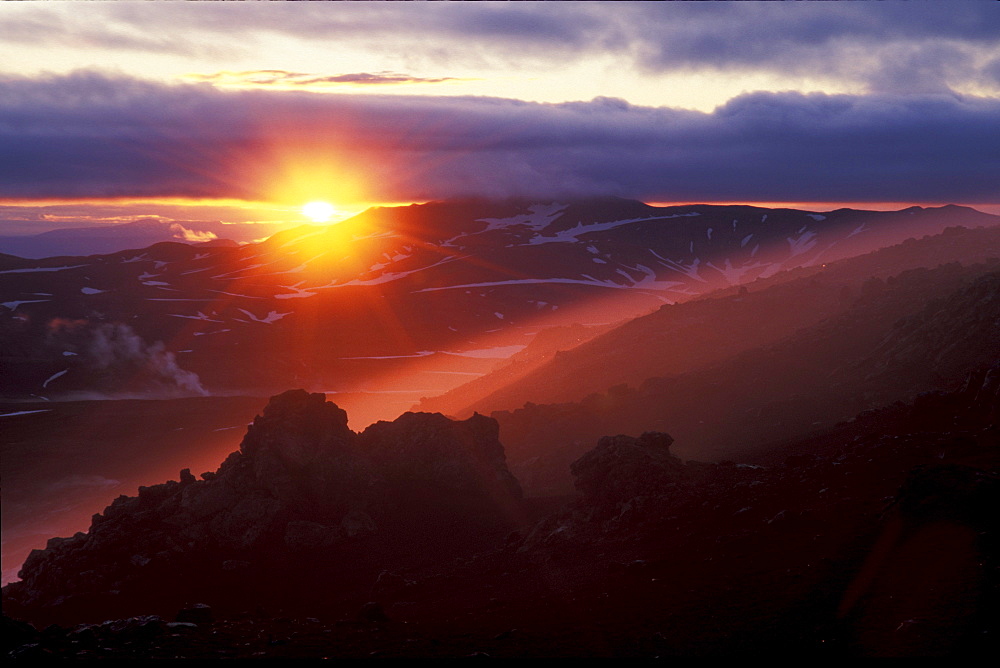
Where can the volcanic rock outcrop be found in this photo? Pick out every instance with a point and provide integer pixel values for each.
(873, 537)
(305, 509)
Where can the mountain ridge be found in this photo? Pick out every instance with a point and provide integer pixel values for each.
(117, 237)
(420, 290)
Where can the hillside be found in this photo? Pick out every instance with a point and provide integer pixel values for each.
(919, 331)
(685, 337)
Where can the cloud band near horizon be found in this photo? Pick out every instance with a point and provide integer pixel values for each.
(91, 135)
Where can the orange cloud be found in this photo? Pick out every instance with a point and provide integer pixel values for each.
(284, 78)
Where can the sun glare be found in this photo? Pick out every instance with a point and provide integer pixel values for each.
(319, 212)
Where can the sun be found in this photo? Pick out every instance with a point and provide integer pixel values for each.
(320, 212)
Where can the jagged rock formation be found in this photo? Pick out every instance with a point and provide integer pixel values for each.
(874, 537)
(304, 503)
(622, 467)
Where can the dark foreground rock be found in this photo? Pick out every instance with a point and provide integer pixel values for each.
(305, 508)
(875, 538)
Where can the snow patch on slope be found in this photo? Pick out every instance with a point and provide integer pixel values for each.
(571, 235)
(39, 269)
(14, 304)
(802, 243)
(298, 293)
(200, 316)
(389, 276)
(540, 217)
(54, 376)
(41, 410)
(271, 317)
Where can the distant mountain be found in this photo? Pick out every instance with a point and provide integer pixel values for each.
(437, 292)
(107, 239)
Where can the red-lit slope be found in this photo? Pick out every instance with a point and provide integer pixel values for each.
(922, 330)
(693, 335)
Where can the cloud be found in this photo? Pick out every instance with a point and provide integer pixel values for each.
(991, 70)
(41, 24)
(882, 47)
(96, 135)
(860, 42)
(782, 33)
(195, 236)
(285, 78)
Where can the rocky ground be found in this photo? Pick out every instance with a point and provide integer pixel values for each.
(874, 538)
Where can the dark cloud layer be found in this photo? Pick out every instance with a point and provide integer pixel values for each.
(94, 135)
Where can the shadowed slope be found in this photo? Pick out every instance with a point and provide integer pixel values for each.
(919, 331)
(683, 338)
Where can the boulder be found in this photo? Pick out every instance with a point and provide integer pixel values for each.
(622, 467)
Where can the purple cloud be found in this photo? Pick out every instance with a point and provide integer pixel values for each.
(94, 135)
(861, 42)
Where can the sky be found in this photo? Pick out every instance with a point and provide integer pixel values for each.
(245, 111)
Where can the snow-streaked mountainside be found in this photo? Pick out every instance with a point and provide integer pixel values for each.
(691, 336)
(440, 291)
